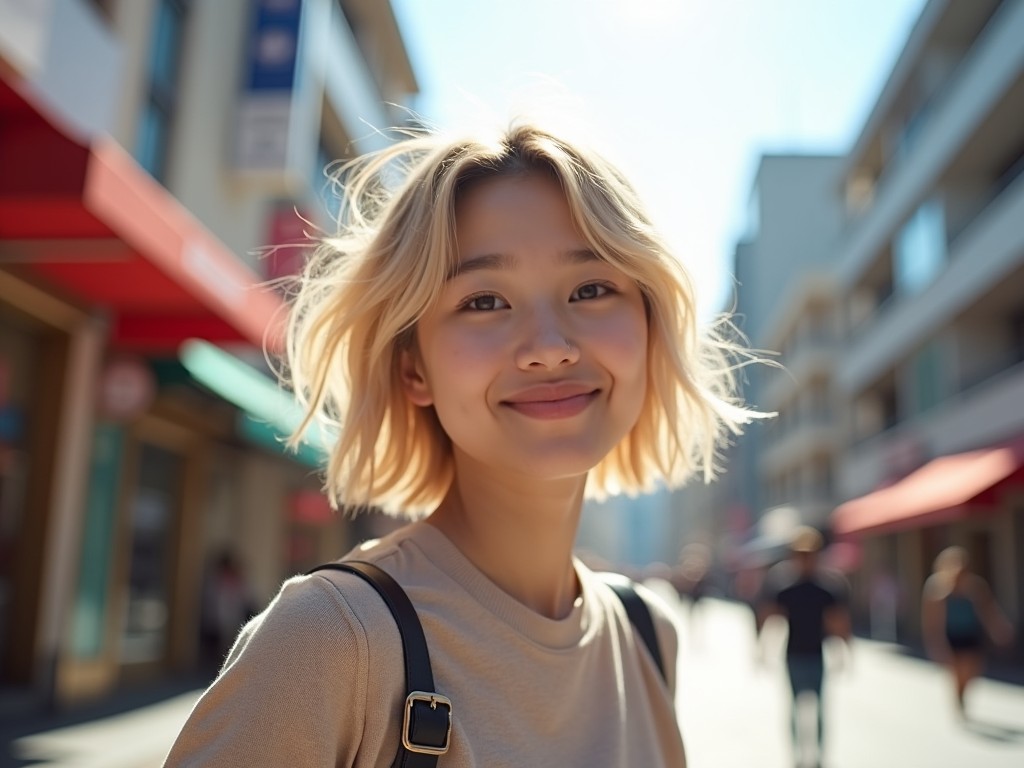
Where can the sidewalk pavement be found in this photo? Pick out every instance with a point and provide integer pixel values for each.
(133, 729)
(885, 709)
(135, 739)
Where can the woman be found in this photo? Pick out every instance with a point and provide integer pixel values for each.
(959, 615)
(496, 333)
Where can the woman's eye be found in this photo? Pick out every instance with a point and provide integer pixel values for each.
(486, 302)
(590, 291)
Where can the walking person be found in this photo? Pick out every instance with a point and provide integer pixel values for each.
(227, 603)
(959, 616)
(496, 333)
(814, 603)
(693, 584)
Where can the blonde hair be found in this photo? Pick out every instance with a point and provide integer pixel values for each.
(363, 291)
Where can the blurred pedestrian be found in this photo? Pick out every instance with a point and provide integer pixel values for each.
(959, 616)
(228, 604)
(693, 583)
(814, 602)
(496, 332)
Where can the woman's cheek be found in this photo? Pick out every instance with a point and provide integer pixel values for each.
(626, 334)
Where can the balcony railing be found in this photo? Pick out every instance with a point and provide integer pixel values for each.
(924, 117)
(1007, 363)
(905, 181)
(1003, 188)
(969, 387)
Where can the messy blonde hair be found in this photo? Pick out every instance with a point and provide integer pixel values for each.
(363, 291)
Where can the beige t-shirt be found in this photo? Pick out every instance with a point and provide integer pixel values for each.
(317, 679)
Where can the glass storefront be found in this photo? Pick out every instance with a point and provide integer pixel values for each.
(152, 514)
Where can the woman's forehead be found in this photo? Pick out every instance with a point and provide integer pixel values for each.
(513, 210)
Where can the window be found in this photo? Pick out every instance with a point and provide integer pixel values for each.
(919, 251)
(926, 380)
(157, 116)
(153, 509)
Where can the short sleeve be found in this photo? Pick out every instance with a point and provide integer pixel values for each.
(292, 691)
(839, 588)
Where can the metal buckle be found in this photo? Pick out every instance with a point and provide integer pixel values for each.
(433, 699)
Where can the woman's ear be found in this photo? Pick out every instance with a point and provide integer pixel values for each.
(414, 380)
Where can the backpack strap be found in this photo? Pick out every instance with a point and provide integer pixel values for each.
(427, 715)
(639, 616)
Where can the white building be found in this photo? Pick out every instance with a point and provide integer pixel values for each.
(902, 398)
(932, 272)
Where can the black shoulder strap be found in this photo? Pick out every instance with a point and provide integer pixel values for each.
(639, 616)
(427, 718)
(427, 715)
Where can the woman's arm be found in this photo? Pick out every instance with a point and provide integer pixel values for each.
(292, 691)
(933, 623)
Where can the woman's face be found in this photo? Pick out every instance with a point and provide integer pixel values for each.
(535, 356)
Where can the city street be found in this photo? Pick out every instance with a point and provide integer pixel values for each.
(885, 710)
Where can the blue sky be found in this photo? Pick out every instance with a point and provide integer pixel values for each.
(682, 94)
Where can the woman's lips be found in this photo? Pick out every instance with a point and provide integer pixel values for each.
(559, 408)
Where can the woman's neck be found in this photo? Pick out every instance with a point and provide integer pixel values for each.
(519, 532)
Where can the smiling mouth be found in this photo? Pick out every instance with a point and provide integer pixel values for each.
(558, 408)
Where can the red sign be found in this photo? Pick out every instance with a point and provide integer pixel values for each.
(287, 242)
(309, 508)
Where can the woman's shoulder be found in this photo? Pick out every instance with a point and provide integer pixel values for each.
(657, 601)
(666, 628)
(658, 606)
(328, 600)
(324, 644)
(322, 610)
(937, 587)
(329, 585)
(663, 615)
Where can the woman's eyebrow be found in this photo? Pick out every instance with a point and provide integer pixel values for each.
(578, 256)
(504, 261)
(499, 261)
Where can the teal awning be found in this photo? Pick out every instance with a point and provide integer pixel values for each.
(268, 413)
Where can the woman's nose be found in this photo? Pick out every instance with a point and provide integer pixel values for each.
(547, 345)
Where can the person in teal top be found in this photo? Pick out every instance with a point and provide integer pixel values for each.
(959, 617)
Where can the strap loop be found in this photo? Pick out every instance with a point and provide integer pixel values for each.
(427, 725)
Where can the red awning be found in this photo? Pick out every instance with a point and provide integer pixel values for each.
(84, 219)
(945, 489)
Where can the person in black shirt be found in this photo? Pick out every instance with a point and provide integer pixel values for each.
(814, 604)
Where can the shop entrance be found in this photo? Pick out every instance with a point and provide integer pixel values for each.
(32, 358)
(152, 514)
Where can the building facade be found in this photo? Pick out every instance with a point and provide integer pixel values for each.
(150, 153)
(901, 398)
(931, 271)
(784, 304)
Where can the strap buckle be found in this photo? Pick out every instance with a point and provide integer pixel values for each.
(434, 700)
